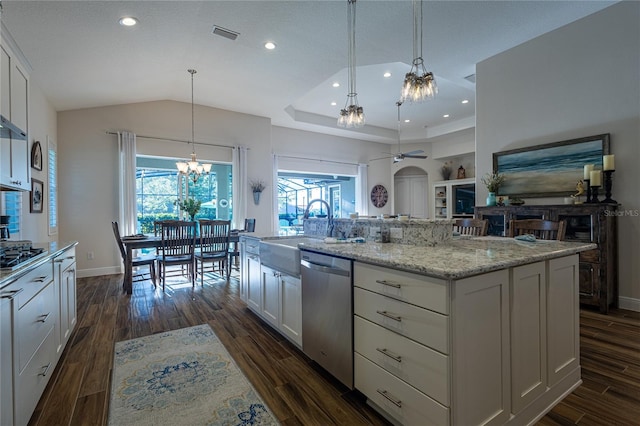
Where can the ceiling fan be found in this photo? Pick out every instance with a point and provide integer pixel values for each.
(399, 156)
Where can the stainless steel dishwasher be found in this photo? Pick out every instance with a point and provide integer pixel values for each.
(327, 313)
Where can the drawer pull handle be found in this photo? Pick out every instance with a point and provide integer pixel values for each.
(44, 317)
(388, 283)
(391, 355)
(46, 370)
(388, 315)
(11, 294)
(395, 401)
(40, 279)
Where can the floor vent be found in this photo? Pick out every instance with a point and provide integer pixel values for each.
(223, 32)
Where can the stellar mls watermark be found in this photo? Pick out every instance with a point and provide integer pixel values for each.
(619, 213)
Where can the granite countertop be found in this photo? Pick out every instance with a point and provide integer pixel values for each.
(458, 258)
(53, 249)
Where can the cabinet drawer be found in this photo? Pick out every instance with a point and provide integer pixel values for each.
(401, 401)
(31, 382)
(66, 259)
(424, 368)
(34, 321)
(426, 292)
(33, 282)
(424, 326)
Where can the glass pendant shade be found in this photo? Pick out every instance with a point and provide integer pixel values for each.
(192, 169)
(419, 84)
(352, 115)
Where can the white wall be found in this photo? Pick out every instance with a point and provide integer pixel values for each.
(580, 80)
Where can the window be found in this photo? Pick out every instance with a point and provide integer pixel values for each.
(53, 187)
(13, 209)
(158, 186)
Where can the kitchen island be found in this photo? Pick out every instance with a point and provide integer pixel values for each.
(465, 332)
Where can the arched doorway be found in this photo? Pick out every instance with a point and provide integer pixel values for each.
(411, 192)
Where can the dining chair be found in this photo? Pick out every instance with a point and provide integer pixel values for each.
(214, 246)
(541, 229)
(234, 251)
(476, 227)
(178, 247)
(136, 261)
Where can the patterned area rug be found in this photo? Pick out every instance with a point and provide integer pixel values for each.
(182, 377)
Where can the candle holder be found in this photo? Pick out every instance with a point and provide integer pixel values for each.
(586, 182)
(608, 178)
(594, 195)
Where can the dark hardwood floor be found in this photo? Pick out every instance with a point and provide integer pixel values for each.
(295, 389)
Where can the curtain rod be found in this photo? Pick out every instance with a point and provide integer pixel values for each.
(176, 140)
(315, 159)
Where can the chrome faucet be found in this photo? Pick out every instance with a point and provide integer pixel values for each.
(329, 214)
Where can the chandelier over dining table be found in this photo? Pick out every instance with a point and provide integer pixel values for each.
(193, 169)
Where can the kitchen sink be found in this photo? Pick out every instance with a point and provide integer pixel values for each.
(283, 254)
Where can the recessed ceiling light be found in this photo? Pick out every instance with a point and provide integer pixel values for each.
(446, 116)
(386, 74)
(334, 103)
(269, 45)
(466, 101)
(407, 121)
(336, 84)
(128, 21)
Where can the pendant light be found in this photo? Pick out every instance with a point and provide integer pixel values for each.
(192, 169)
(353, 114)
(419, 84)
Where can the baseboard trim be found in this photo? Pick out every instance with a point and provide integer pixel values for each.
(95, 272)
(629, 303)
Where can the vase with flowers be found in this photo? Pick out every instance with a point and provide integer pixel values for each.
(492, 181)
(190, 205)
(446, 170)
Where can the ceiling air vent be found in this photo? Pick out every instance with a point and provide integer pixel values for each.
(471, 78)
(223, 32)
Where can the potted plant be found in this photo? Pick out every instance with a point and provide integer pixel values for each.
(257, 186)
(492, 181)
(190, 205)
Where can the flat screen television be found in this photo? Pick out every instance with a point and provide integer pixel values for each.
(464, 199)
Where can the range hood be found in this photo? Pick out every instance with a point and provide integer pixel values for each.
(10, 130)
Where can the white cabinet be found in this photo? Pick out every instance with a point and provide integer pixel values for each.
(250, 269)
(65, 277)
(453, 198)
(411, 195)
(14, 167)
(496, 348)
(282, 303)
(291, 308)
(270, 295)
(7, 300)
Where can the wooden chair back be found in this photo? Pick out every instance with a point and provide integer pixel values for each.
(541, 229)
(214, 236)
(249, 225)
(476, 227)
(116, 233)
(178, 238)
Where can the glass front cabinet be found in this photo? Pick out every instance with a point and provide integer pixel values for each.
(596, 223)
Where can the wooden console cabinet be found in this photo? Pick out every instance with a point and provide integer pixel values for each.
(596, 223)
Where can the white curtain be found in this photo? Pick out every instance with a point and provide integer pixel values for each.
(240, 186)
(362, 192)
(128, 214)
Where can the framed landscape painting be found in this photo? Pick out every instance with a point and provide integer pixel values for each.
(550, 170)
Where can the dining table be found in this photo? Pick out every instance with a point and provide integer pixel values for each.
(138, 242)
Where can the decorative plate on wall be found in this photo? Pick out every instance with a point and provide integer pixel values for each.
(379, 196)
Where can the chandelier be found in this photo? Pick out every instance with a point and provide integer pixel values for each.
(352, 115)
(192, 169)
(419, 84)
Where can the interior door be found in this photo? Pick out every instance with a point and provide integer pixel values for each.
(411, 195)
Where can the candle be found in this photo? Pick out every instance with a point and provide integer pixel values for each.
(608, 162)
(595, 178)
(587, 169)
